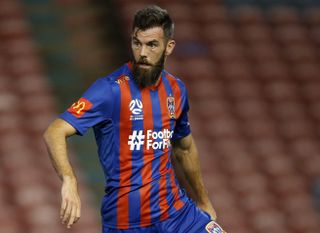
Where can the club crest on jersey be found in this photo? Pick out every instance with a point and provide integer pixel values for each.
(122, 79)
(80, 107)
(213, 227)
(171, 107)
(135, 107)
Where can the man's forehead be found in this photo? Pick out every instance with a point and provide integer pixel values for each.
(154, 33)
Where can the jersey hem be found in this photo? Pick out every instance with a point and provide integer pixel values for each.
(138, 225)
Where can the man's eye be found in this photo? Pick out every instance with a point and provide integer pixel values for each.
(136, 43)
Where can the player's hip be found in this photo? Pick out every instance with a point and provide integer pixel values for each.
(188, 219)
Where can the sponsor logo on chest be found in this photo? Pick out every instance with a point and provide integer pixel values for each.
(156, 140)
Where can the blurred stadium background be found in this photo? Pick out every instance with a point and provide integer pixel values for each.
(252, 68)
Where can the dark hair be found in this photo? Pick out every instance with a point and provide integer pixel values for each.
(153, 16)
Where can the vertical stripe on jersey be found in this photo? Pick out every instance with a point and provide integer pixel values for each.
(125, 158)
(146, 171)
(157, 124)
(164, 159)
(137, 163)
(165, 91)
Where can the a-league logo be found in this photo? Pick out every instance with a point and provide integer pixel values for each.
(136, 107)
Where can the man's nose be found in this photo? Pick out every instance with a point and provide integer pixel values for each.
(143, 51)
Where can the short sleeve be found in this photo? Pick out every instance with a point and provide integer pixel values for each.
(182, 127)
(94, 107)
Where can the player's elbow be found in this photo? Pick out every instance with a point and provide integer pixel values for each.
(53, 132)
(49, 134)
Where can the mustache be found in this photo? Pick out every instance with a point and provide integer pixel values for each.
(143, 61)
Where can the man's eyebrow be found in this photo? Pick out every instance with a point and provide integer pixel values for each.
(153, 41)
(149, 42)
(135, 38)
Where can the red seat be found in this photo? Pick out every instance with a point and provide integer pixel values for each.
(250, 109)
(242, 90)
(272, 70)
(268, 220)
(281, 90)
(300, 53)
(256, 33)
(263, 52)
(308, 222)
(186, 32)
(248, 15)
(218, 32)
(211, 13)
(257, 202)
(310, 91)
(315, 34)
(255, 128)
(180, 12)
(249, 184)
(312, 15)
(206, 88)
(227, 51)
(291, 34)
(284, 15)
(288, 109)
(306, 70)
(236, 70)
(198, 68)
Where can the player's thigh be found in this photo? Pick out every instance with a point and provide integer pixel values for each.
(190, 219)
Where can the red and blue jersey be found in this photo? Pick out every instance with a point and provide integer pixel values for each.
(134, 129)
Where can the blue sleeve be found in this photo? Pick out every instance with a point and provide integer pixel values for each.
(182, 127)
(94, 107)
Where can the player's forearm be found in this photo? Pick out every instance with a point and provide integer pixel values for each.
(186, 163)
(189, 164)
(56, 143)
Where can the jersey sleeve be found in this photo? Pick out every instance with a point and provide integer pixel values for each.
(182, 127)
(94, 107)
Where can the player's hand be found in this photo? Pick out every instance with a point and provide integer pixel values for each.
(209, 209)
(70, 206)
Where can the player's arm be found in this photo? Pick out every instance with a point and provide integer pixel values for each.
(186, 165)
(56, 141)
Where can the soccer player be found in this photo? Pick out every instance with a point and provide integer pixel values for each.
(139, 114)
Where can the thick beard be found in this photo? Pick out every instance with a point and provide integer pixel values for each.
(147, 78)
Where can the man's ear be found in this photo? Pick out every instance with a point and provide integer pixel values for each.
(170, 46)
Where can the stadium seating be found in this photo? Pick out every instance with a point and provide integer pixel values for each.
(29, 190)
(252, 71)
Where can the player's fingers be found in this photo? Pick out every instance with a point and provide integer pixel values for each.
(67, 212)
(78, 213)
(72, 215)
(63, 207)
